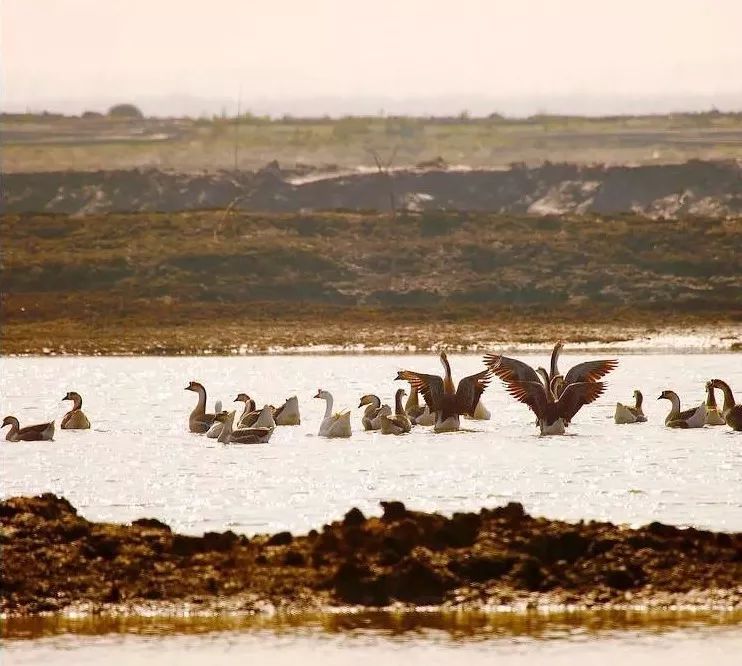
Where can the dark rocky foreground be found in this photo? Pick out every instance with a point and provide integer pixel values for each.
(700, 188)
(52, 559)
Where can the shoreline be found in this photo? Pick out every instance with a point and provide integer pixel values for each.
(497, 560)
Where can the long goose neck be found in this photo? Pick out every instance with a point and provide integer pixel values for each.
(412, 401)
(728, 395)
(77, 402)
(541, 372)
(201, 406)
(15, 428)
(554, 360)
(710, 397)
(328, 405)
(398, 403)
(638, 400)
(448, 386)
(227, 426)
(675, 410)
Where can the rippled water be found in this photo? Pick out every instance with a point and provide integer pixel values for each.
(139, 460)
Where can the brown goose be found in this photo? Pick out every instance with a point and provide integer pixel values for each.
(713, 415)
(629, 414)
(554, 415)
(419, 415)
(447, 401)
(260, 435)
(75, 419)
(690, 418)
(731, 411)
(398, 423)
(199, 420)
(32, 433)
(288, 413)
(371, 418)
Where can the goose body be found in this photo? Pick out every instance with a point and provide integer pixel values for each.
(689, 418)
(419, 415)
(427, 418)
(481, 413)
(713, 415)
(629, 414)
(442, 397)
(371, 418)
(75, 419)
(199, 421)
(32, 433)
(398, 423)
(288, 413)
(259, 435)
(333, 425)
(731, 411)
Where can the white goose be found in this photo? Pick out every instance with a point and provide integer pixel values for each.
(333, 425)
(288, 413)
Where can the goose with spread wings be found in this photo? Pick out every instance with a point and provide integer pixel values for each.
(443, 398)
(553, 397)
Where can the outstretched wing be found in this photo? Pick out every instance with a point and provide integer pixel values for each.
(531, 393)
(429, 386)
(589, 371)
(470, 389)
(510, 369)
(576, 395)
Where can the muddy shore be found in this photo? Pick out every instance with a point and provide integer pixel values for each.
(54, 559)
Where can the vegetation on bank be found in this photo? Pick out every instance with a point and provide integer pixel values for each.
(207, 279)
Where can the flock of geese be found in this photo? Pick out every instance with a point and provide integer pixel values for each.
(553, 397)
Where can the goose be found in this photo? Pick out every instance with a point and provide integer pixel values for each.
(288, 413)
(259, 435)
(443, 398)
(690, 418)
(333, 425)
(75, 419)
(731, 411)
(199, 421)
(371, 419)
(554, 415)
(399, 423)
(713, 416)
(249, 408)
(628, 414)
(418, 415)
(32, 433)
(481, 413)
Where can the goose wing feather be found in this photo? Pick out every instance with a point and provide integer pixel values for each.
(589, 371)
(577, 395)
(531, 393)
(429, 386)
(470, 390)
(510, 369)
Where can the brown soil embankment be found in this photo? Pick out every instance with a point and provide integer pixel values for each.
(53, 559)
(671, 190)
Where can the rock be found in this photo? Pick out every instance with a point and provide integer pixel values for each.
(529, 574)
(151, 523)
(512, 512)
(481, 568)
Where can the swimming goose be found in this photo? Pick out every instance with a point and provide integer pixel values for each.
(333, 425)
(199, 421)
(713, 416)
(399, 423)
(75, 419)
(371, 418)
(553, 416)
(32, 433)
(288, 413)
(242, 435)
(443, 398)
(731, 411)
(690, 418)
(628, 414)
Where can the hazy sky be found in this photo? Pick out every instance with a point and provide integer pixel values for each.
(83, 52)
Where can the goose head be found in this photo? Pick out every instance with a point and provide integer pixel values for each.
(716, 383)
(368, 399)
(667, 395)
(9, 421)
(400, 392)
(322, 394)
(242, 397)
(194, 386)
(72, 395)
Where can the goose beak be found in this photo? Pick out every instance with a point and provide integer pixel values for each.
(360, 404)
(318, 395)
